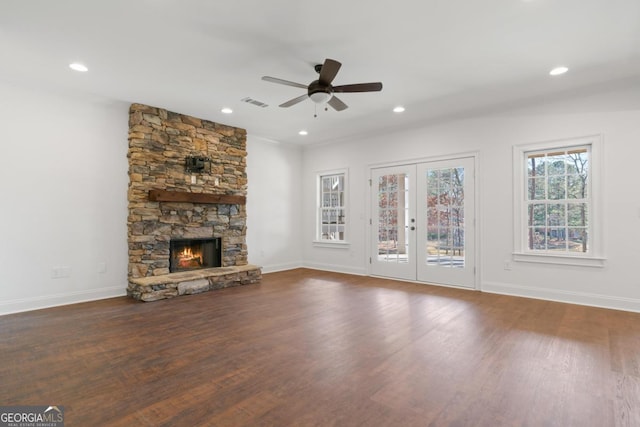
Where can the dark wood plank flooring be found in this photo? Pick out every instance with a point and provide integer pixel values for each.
(311, 348)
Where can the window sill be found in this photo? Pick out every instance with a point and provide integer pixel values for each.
(558, 259)
(331, 244)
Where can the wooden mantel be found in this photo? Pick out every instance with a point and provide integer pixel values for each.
(185, 196)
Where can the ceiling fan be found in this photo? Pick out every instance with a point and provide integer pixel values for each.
(321, 90)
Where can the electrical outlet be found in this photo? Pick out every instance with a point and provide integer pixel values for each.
(508, 265)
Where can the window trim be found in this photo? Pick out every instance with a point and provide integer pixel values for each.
(317, 242)
(595, 257)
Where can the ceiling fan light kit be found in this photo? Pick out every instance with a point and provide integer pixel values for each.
(320, 97)
(321, 91)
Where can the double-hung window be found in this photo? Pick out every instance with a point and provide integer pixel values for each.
(557, 213)
(332, 211)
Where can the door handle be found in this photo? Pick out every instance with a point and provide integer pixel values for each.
(412, 227)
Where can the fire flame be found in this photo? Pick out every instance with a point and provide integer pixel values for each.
(187, 258)
(186, 253)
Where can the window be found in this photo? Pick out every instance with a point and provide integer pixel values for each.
(556, 214)
(332, 212)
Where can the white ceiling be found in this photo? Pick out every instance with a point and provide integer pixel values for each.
(438, 58)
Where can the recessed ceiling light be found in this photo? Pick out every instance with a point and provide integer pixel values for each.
(76, 66)
(303, 132)
(558, 70)
(398, 109)
(227, 110)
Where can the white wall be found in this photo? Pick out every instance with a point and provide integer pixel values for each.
(273, 204)
(63, 184)
(612, 112)
(63, 192)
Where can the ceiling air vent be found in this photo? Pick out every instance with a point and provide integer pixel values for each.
(254, 102)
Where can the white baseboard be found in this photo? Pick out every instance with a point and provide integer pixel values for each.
(46, 301)
(336, 268)
(314, 266)
(581, 298)
(281, 267)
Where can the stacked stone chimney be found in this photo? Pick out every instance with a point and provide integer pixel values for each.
(159, 142)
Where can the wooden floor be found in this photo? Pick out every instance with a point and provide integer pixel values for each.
(310, 348)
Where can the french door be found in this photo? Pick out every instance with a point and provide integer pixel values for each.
(394, 222)
(423, 222)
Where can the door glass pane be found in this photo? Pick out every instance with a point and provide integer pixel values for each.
(393, 218)
(445, 217)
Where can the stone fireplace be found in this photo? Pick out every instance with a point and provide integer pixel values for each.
(170, 203)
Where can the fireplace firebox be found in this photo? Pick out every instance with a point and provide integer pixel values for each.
(193, 254)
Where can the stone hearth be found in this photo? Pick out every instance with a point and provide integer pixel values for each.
(192, 282)
(167, 202)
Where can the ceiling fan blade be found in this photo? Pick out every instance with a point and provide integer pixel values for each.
(294, 101)
(328, 71)
(337, 104)
(283, 82)
(359, 87)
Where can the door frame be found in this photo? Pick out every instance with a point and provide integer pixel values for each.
(475, 156)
